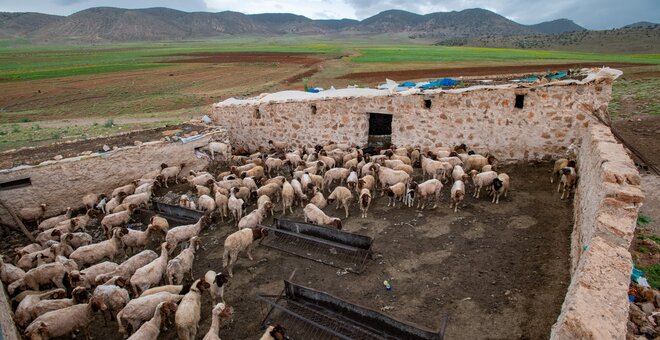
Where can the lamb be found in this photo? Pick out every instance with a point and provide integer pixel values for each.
(288, 196)
(127, 268)
(151, 329)
(429, 189)
(53, 221)
(76, 240)
(128, 189)
(252, 219)
(217, 281)
(223, 149)
(117, 219)
(183, 263)
(185, 232)
(206, 203)
(265, 203)
(500, 186)
(275, 164)
(257, 172)
(134, 239)
(457, 194)
(365, 201)
(222, 204)
(352, 180)
(142, 309)
(317, 198)
(95, 252)
(139, 200)
(186, 202)
(91, 200)
(10, 273)
(343, 196)
(113, 203)
(220, 312)
(151, 274)
(480, 180)
(315, 215)
(242, 240)
(300, 195)
(556, 171)
(32, 214)
(24, 313)
(394, 192)
(169, 172)
(62, 322)
(567, 181)
(87, 277)
(274, 332)
(236, 205)
(458, 174)
(188, 314)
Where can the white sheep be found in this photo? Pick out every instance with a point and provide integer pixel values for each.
(173, 289)
(201, 179)
(117, 219)
(220, 313)
(500, 186)
(24, 313)
(95, 252)
(10, 273)
(32, 214)
(76, 240)
(475, 162)
(142, 309)
(127, 268)
(91, 200)
(169, 172)
(567, 181)
(87, 277)
(186, 202)
(394, 192)
(317, 198)
(315, 215)
(343, 196)
(151, 329)
(242, 240)
(112, 296)
(188, 313)
(288, 196)
(128, 189)
(206, 203)
(62, 322)
(273, 190)
(50, 223)
(388, 177)
(480, 180)
(222, 204)
(458, 174)
(138, 199)
(217, 282)
(235, 205)
(335, 174)
(201, 190)
(274, 332)
(298, 190)
(110, 205)
(275, 164)
(182, 264)
(136, 239)
(223, 149)
(151, 274)
(457, 194)
(427, 190)
(185, 232)
(365, 201)
(253, 219)
(51, 273)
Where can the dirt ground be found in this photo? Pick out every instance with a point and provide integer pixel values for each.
(497, 271)
(466, 71)
(643, 133)
(245, 57)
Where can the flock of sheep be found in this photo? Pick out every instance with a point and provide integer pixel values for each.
(132, 292)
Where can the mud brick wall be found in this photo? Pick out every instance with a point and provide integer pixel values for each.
(552, 118)
(61, 184)
(607, 202)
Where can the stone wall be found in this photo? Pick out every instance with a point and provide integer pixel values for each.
(552, 118)
(63, 183)
(606, 203)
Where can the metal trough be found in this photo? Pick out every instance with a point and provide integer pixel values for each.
(311, 314)
(177, 213)
(326, 245)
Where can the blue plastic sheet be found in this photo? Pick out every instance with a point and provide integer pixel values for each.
(408, 84)
(444, 82)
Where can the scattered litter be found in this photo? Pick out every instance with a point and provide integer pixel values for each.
(58, 157)
(106, 148)
(387, 285)
(386, 308)
(465, 299)
(333, 251)
(342, 272)
(262, 260)
(206, 119)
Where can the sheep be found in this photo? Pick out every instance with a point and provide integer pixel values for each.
(185, 232)
(293, 157)
(391, 163)
(173, 289)
(127, 268)
(29, 261)
(91, 200)
(317, 180)
(431, 168)
(169, 172)
(352, 180)
(458, 174)
(201, 179)
(223, 149)
(273, 190)
(221, 203)
(76, 240)
(274, 332)
(250, 183)
(117, 219)
(236, 170)
(475, 162)
(404, 167)
(317, 198)
(365, 201)
(265, 203)
(300, 195)
(394, 192)
(244, 194)
(253, 219)
(188, 313)
(146, 187)
(113, 203)
(10, 273)
(201, 190)
(78, 295)
(457, 194)
(155, 180)
(500, 186)
(429, 189)
(54, 273)
(343, 196)
(315, 215)
(50, 235)
(367, 182)
(183, 263)
(257, 172)
(134, 239)
(278, 146)
(113, 296)
(242, 240)
(206, 203)
(151, 329)
(235, 205)
(95, 252)
(275, 164)
(288, 196)
(559, 165)
(151, 274)
(220, 312)
(279, 180)
(480, 180)
(160, 223)
(567, 181)
(335, 174)
(142, 309)
(50, 223)
(388, 177)
(30, 248)
(87, 277)
(24, 313)
(217, 282)
(32, 214)
(128, 189)
(353, 163)
(62, 322)
(141, 199)
(186, 202)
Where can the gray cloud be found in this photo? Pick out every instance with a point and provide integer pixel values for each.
(66, 7)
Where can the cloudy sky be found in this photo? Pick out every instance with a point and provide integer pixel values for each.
(593, 14)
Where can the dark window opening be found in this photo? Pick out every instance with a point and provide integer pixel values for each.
(16, 183)
(380, 124)
(313, 109)
(428, 103)
(520, 101)
(257, 113)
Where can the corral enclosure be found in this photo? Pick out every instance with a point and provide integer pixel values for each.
(496, 270)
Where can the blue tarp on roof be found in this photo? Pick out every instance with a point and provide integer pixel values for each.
(313, 90)
(408, 84)
(444, 82)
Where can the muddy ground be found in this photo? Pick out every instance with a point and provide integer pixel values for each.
(497, 271)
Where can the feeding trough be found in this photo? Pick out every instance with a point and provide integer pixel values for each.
(326, 245)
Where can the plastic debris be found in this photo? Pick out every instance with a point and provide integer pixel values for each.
(206, 119)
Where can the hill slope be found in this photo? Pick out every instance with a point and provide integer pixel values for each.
(557, 26)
